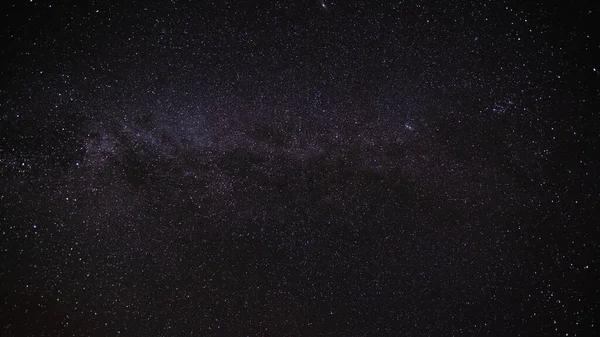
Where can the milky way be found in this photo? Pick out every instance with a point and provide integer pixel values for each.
(239, 168)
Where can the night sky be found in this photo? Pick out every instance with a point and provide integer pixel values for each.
(299, 168)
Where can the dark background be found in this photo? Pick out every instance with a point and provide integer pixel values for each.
(347, 168)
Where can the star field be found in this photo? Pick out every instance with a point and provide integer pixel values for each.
(307, 168)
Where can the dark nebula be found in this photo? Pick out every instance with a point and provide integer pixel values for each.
(299, 168)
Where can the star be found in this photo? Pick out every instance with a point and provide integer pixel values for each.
(214, 164)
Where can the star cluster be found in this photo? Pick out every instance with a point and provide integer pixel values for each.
(246, 168)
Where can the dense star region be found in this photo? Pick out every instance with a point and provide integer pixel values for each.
(299, 168)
